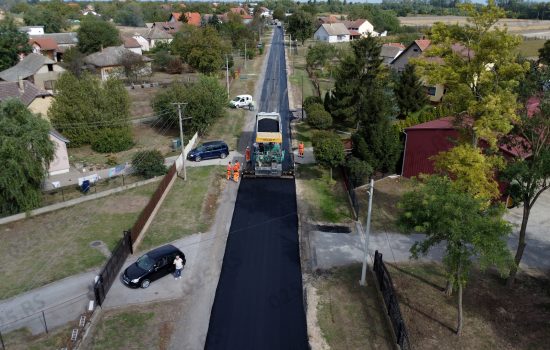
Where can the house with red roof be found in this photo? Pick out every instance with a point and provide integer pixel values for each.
(360, 28)
(45, 46)
(192, 18)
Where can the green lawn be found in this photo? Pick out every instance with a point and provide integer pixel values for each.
(228, 128)
(57, 244)
(326, 199)
(304, 133)
(22, 339)
(351, 316)
(189, 207)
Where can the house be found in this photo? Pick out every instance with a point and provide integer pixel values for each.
(239, 11)
(327, 19)
(132, 44)
(36, 68)
(45, 46)
(360, 28)
(151, 37)
(109, 62)
(32, 30)
(192, 18)
(60, 162)
(426, 140)
(332, 33)
(390, 51)
(168, 27)
(415, 49)
(174, 17)
(64, 41)
(38, 101)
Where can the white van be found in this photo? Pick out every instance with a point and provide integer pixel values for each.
(241, 101)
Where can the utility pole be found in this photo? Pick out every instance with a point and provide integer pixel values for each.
(227, 74)
(245, 56)
(181, 119)
(363, 281)
(302, 97)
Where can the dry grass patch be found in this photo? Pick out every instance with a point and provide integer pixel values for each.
(495, 317)
(149, 327)
(351, 316)
(57, 244)
(23, 339)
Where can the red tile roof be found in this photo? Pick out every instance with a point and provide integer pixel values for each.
(533, 105)
(193, 18)
(176, 16)
(399, 45)
(354, 32)
(45, 43)
(131, 43)
(423, 44)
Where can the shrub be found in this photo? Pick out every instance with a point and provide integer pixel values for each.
(112, 140)
(149, 163)
(358, 170)
(174, 65)
(314, 106)
(311, 100)
(319, 119)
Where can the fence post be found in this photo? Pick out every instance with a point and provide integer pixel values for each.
(128, 237)
(45, 324)
(2, 341)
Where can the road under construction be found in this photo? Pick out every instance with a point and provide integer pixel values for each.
(259, 298)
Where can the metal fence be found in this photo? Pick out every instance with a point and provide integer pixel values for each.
(390, 301)
(351, 192)
(110, 271)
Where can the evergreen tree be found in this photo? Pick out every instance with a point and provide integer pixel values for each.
(409, 92)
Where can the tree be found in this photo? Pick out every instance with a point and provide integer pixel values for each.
(149, 163)
(328, 149)
(468, 229)
(409, 92)
(95, 34)
(25, 153)
(52, 15)
(12, 43)
(359, 170)
(317, 117)
(279, 13)
(529, 177)
(544, 53)
(319, 55)
(133, 65)
(73, 61)
(301, 25)
(130, 14)
(206, 100)
(85, 108)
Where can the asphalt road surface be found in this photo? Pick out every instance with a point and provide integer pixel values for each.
(259, 300)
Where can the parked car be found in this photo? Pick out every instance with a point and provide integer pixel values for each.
(241, 101)
(152, 266)
(209, 150)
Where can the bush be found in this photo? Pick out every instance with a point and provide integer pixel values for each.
(311, 100)
(112, 140)
(149, 164)
(358, 170)
(174, 65)
(314, 106)
(319, 119)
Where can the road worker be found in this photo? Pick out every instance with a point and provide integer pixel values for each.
(301, 149)
(247, 154)
(236, 171)
(229, 168)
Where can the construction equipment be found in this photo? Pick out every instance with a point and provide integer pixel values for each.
(268, 145)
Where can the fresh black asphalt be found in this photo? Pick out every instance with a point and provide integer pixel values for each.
(259, 299)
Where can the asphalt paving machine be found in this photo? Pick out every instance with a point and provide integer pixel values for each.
(268, 145)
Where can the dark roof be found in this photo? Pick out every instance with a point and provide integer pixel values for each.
(445, 123)
(70, 38)
(156, 33)
(169, 27)
(166, 249)
(111, 56)
(26, 67)
(389, 51)
(335, 29)
(10, 89)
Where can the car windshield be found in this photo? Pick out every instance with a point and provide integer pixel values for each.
(201, 149)
(237, 98)
(145, 262)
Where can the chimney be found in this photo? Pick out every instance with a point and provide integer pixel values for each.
(21, 84)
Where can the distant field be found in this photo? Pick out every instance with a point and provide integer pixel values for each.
(520, 26)
(530, 48)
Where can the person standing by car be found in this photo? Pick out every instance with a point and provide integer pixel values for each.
(179, 266)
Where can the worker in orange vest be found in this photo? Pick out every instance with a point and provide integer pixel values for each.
(301, 149)
(236, 171)
(247, 154)
(229, 168)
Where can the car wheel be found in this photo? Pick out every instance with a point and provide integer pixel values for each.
(223, 155)
(197, 159)
(145, 284)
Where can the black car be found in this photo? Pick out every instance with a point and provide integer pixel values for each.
(152, 266)
(209, 150)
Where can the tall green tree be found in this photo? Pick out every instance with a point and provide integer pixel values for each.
(301, 25)
(85, 108)
(409, 92)
(206, 100)
(328, 149)
(95, 34)
(528, 176)
(53, 15)
(469, 230)
(544, 53)
(12, 43)
(25, 153)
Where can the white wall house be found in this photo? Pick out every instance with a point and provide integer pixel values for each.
(332, 33)
(60, 163)
(32, 30)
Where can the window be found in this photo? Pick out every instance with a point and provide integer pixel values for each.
(431, 90)
(49, 85)
(50, 67)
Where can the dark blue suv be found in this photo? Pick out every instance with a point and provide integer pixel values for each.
(209, 150)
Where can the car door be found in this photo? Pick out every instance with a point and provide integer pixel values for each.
(160, 268)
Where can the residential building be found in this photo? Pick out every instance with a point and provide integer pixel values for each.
(192, 18)
(36, 100)
(45, 46)
(169, 27)
(36, 68)
(60, 163)
(132, 44)
(64, 41)
(415, 49)
(332, 33)
(149, 38)
(360, 28)
(32, 30)
(390, 51)
(110, 62)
